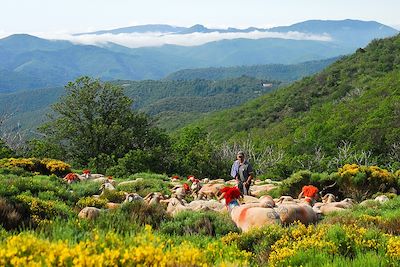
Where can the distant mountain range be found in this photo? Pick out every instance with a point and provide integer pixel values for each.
(28, 62)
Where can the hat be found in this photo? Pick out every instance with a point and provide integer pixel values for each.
(240, 153)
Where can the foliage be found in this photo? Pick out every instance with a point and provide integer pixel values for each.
(44, 149)
(12, 186)
(144, 248)
(43, 166)
(92, 202)
(96, 118)
(41, 211)
(135, 161)
(195, 154)
(199, 223)
(278, 72)
(5, 151)
(358, 182)
(84, 189)
(113, 196)
(145, 186)
(142, 214)
(355, 181)
(385, 217)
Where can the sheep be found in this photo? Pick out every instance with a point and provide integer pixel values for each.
(90, 213)
(153, 198)
(131, 197)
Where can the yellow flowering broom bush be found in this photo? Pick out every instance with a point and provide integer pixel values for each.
(299, 239)
(359, 182)
(393, 248)
(42, 166)
(111, 249)
(300, 244)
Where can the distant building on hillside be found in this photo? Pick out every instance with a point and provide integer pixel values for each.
(266, 84)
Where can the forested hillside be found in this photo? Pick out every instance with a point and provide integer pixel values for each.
(174, 103)
(354, 104)
(287, 73)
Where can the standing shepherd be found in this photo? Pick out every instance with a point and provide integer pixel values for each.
(243, 173)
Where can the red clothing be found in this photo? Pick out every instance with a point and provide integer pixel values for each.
(310, 191)
(231, 193)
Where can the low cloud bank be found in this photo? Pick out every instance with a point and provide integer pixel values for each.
(152, 39)
(135, 40)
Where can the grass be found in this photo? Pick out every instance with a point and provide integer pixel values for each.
(48, 208)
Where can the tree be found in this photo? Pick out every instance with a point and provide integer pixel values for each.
(195, 154)
(95, 118)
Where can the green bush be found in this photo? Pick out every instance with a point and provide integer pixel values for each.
(12, 186)
(43, 210)
(85, 189)
(146, 186)
(92, 202)
(43, 166)
(15, 171)
(141, 213)
(203, 223)
(292, 186)
(360, 182)
(113, 196)
(135, 161)
(385, 217)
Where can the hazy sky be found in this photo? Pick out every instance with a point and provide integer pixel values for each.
(68, 16)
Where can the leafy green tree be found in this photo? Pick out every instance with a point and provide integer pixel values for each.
(94, 119)
(196, 154)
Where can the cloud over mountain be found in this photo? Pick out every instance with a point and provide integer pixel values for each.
(149, 39)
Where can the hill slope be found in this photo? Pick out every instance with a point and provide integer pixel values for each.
(174, 103)
(280, 72)
(355, 100)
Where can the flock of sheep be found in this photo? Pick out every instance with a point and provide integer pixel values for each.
(253, 211)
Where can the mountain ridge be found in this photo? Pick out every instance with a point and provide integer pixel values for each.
(28, 62)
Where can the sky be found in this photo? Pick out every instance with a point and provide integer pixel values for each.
(73, 16)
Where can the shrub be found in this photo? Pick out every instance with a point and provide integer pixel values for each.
(361, 182)
(203, 223)
(91, 202)
(84, 189)
(12, 186)
(141, 213)
(56, 167)
(5, 151)
(44, 166)
(10, 217)
(14, 170)
(113, 196)
(143, 248)
(135, 161)
(145, 186)
(41, 211)
(292, 186)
